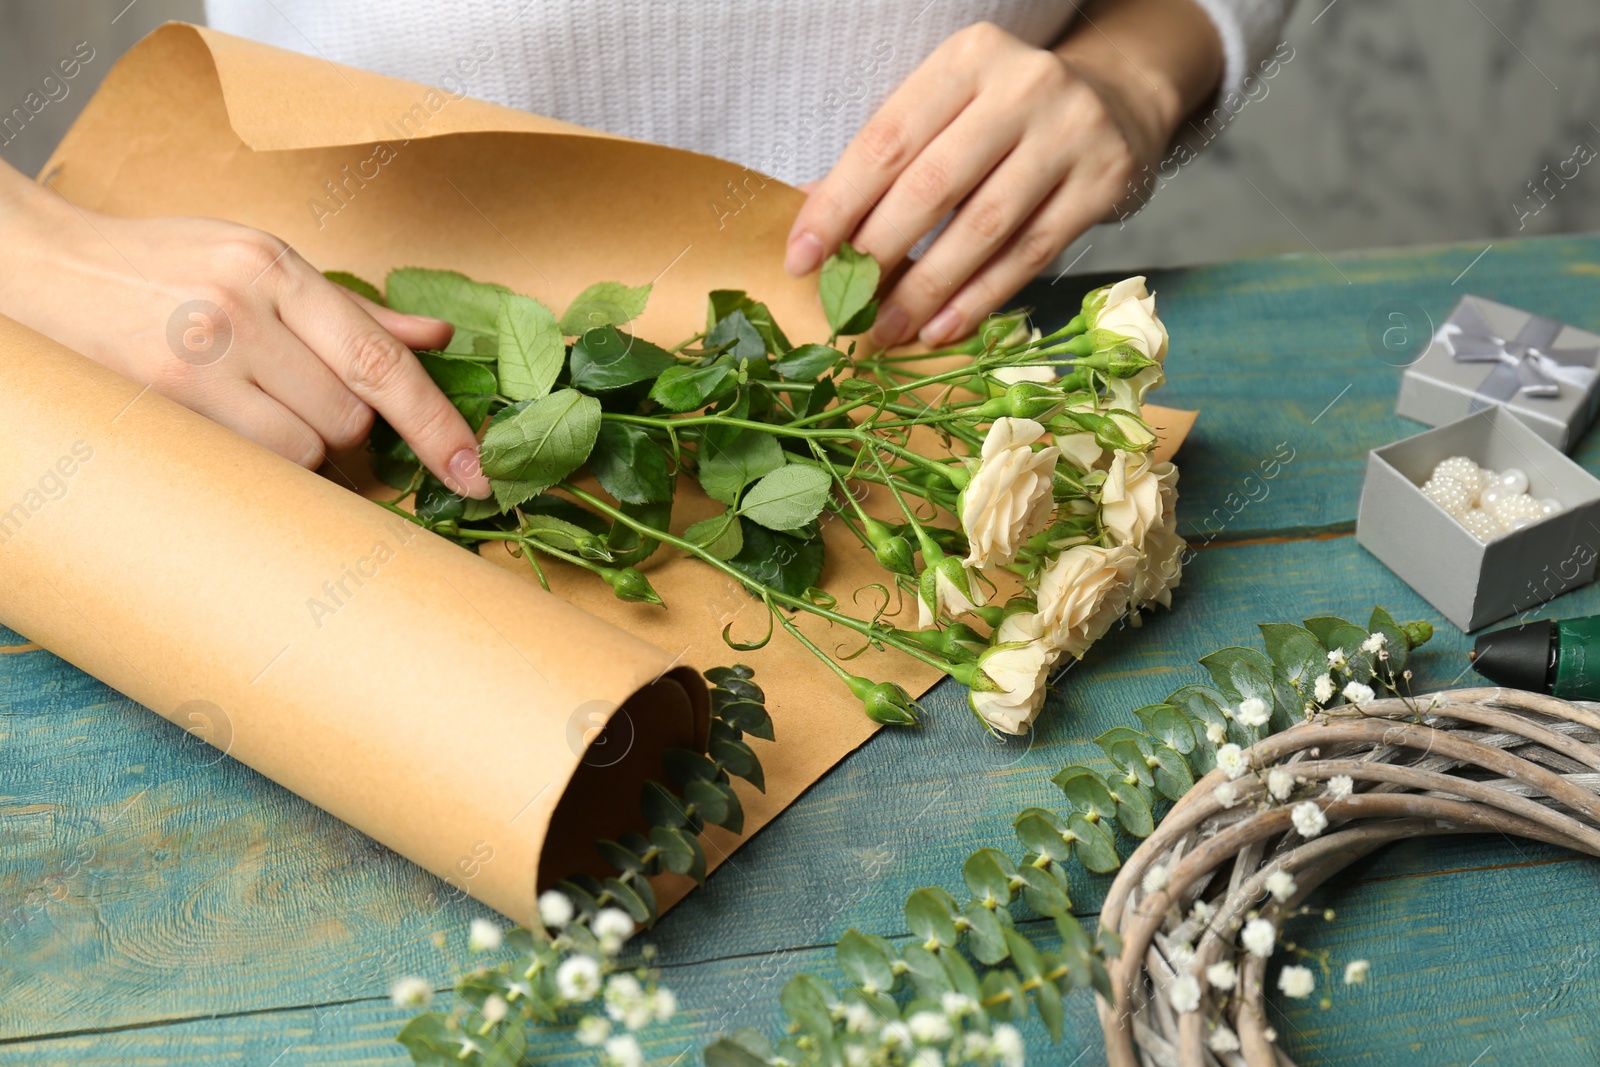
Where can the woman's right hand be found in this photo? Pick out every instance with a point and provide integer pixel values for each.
(231, 322)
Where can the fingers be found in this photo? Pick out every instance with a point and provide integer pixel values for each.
(297, 379)
(913, 115)
(939, 178)
(1065, 214)
(249, 412)
(382, 372)
(979, 229)
(413, 331)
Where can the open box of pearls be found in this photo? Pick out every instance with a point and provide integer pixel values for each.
(1482, 517)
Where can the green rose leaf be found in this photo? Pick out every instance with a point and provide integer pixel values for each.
(473, 307)
(788, 562)
(531, 351)
(806, 363)
(846, 285)
(788, 498)
(607, 358)
(537, 445)
(739, 334)
(724, 302)
(604, 304)
(468, 384)
(687, 388)
(354, 284)
(630, 465)
(731, 457)
(392, 459)
(722, 535)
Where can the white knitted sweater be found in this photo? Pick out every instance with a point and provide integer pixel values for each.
(777, 85)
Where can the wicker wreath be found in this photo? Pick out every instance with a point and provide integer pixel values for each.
(1462, 761)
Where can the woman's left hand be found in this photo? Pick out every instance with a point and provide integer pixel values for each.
(1028, 146)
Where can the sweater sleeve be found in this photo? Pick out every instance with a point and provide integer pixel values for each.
(1253, 49)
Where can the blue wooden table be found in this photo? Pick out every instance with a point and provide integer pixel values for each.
(161, 904)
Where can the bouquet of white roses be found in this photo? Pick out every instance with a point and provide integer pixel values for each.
(1024, 495)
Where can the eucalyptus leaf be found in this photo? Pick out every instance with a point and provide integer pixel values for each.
(986, 938)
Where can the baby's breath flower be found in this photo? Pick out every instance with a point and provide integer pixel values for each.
(1322, 688)
(613, 926)
(927, 1057)
(1341, 786)
(1281, 885)
(624, 1051)
(483, 936)
(1227, 794)
(929, 1027)
(1006, 1045)
(1374, 642)
(1230, 757)
(1355, 972)
(1280, 783)
(1223, 1039)
(1258, 937)
(593, 1030)
(1184, 992)
(896, 1035)
(578, 978)
(1223, 975)
(860, 1019)
(626, 1002)
(1308, 819)
(1296, 981)
(663, 1004)
(1216, 733)
(855, 1056)
(1155, 879)
(495, 1008)
(1336, 658)
(957, 1005)
(555, 909)
(1358, 694)
(1253, 711)
(1202, 912)
(411, 992)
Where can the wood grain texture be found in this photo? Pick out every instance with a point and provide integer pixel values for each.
(159, 904)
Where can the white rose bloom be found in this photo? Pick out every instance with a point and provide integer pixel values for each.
(1019, 663)
(1012, 375)
(1162, 566)
(1129, 393)
(1128, 309)
(1083, 592)
(1132, 501)
(1081, 449)
(948, 598)
(1008, 499)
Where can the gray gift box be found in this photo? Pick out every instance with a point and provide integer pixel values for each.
(1470, 582)
(1487, 354)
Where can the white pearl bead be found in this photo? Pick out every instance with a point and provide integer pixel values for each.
(1550, 506)
(1513, 480)
(1491, 496)
(1520, 522)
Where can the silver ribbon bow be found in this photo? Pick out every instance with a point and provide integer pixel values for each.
(1528, 363)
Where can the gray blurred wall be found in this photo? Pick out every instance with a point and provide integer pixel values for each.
(1396, 122)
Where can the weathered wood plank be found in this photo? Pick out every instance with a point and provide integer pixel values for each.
(200, 887)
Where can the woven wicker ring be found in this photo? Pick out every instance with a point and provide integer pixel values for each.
(1462, 761)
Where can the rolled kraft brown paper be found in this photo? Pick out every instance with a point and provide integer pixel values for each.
(429, 698)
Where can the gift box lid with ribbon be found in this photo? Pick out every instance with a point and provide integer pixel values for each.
(1487, 354)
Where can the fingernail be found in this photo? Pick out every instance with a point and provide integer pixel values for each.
(941, 327)
(805, 252)
(428, 319)
(891, 325)
(466, 475)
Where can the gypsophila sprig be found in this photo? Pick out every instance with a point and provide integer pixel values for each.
(1032, 471)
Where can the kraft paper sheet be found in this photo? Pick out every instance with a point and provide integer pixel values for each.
(448, 704)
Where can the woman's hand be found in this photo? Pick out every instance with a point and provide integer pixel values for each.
(1028, 146)
(230, 322)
